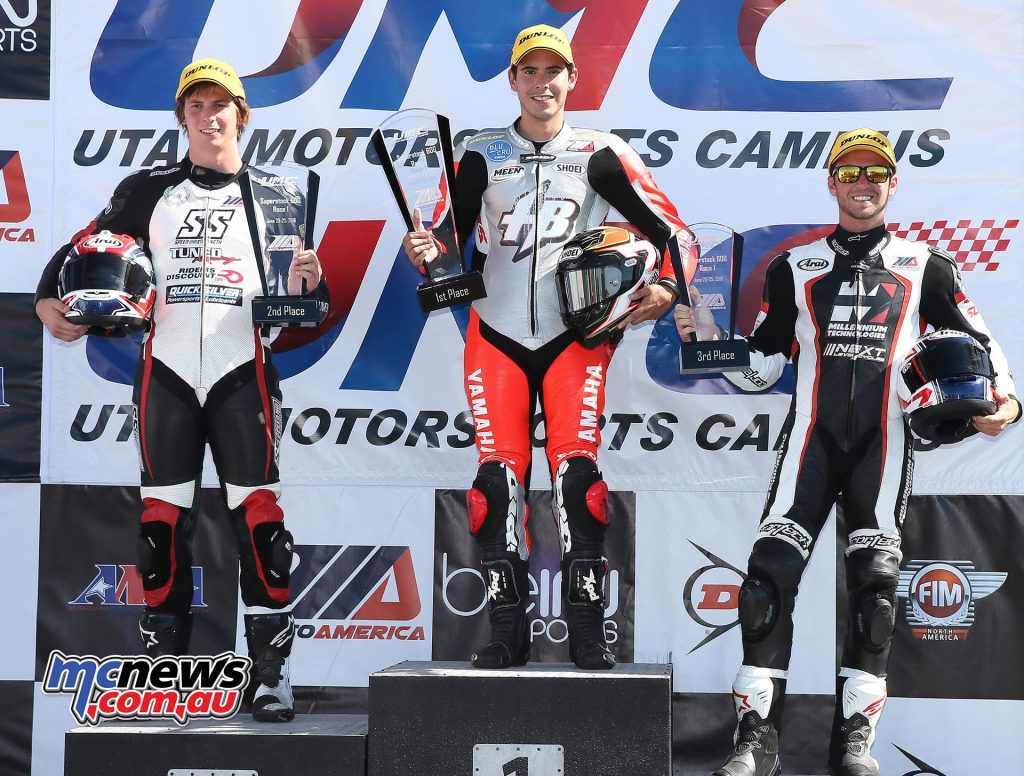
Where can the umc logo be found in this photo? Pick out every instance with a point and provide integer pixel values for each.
(355, 585)
(705, 58)
(711, 596)
(121, 585)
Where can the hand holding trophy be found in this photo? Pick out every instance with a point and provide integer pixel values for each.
(708, 309)
(280, 204)
(414, 147)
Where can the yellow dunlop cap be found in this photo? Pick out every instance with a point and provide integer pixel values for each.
(541, 36)
(214, 71)
(862, 139)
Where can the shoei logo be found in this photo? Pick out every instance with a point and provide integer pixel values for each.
(941, 595)
(121, 585)
(923, 768)
(355, 584)
(711, 596)
(129, 688)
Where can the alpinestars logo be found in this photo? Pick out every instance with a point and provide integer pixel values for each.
(940, 597)
(353, 585)
(123, 687)
(711, 596)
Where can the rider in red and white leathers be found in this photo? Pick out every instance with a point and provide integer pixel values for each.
(526, 198)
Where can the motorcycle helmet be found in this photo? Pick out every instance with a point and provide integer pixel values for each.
(944, 381)
(598, 271)
(107, 281)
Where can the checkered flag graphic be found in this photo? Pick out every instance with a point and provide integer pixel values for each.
(972, 245)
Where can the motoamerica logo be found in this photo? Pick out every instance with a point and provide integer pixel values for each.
(711, 596)
(121, 585)
(940, 597)
(354, 585)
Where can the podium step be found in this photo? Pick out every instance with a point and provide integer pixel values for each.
(322, 744)
(545, 719)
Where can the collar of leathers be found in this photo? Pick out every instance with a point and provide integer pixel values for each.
(858, 245)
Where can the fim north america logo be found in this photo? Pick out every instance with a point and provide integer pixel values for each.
(940, 597)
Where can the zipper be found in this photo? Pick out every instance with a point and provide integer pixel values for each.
(858, 270)
(202, 287)
(538, 204)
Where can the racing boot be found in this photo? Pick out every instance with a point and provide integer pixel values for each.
(860, 697)
(269, 637)
(583, 582)
(165, 633)
(507, 579)
(759, 697)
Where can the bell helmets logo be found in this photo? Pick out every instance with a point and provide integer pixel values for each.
(15, 206)
(711, 596)
(940, 597)
(356, 592)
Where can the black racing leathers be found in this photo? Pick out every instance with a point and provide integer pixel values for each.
(846, 309)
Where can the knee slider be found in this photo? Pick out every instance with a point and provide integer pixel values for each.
(495, 503)
(872, 576)
(271, 542)
(770, 588)
(156, 543)
(580, 501)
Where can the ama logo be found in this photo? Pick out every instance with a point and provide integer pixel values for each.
(15, 206)
(940, 597)
(121, 585)
(359, 587)
(711, 596)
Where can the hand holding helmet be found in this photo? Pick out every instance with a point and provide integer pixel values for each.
(945, 381)
(107, 281)
(598, 277)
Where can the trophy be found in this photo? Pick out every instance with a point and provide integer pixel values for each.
(414, 147)
(715, 283)
(285, 195)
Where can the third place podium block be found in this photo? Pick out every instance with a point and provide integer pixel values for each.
(545, 719)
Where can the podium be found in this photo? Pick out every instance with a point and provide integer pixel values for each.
(322, 744)
(544, 719)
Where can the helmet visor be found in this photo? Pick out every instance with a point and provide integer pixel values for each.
(599, 280)
(953, 357)
(104, 272)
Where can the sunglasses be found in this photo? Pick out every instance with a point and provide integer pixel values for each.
(850, 173)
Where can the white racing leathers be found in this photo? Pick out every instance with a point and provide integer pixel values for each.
(205, 375)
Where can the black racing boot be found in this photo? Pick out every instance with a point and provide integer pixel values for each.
(583, 582)
(165, 633)
(269, 637)
(860, 697)
(507, 578)
(759, 697)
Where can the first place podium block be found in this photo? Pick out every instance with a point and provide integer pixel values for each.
(321, 744)
(545, 719)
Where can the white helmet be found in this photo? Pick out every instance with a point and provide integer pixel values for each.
(597, 273)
